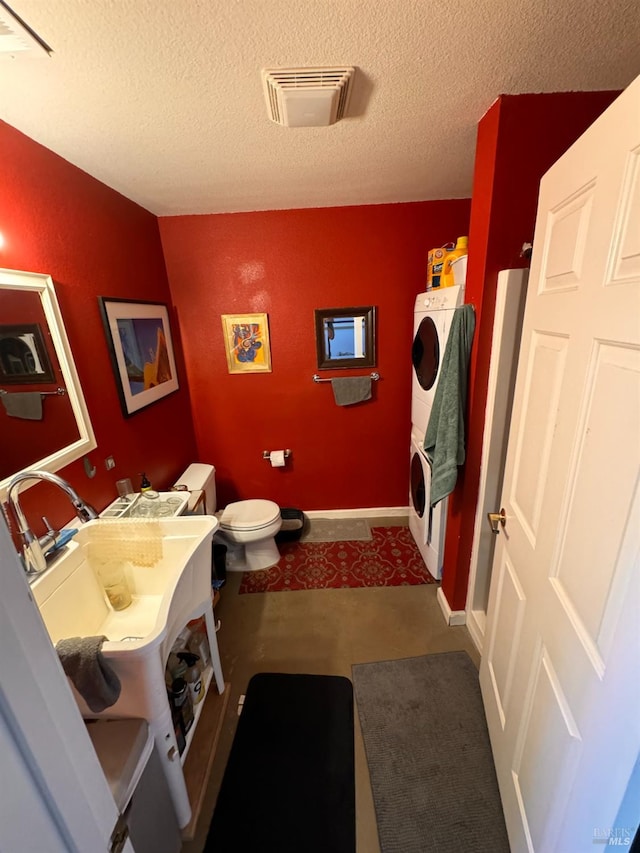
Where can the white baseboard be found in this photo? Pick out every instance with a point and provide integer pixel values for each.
(452, 617)
(371, 512)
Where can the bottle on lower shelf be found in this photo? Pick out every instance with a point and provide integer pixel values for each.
(193, 676)
(181, 702)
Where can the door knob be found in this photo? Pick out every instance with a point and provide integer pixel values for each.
(495, 519)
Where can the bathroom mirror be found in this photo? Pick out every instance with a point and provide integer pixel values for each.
(35, 356)
(345, 337)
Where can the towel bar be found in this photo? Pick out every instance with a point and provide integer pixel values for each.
(316, 377)
(59, 392)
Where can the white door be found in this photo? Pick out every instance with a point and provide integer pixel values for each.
(54, 794)
(560, 676)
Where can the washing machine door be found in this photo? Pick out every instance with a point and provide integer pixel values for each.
(418, 488)
(425, 353)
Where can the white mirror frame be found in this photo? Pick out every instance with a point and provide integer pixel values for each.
(43, 286)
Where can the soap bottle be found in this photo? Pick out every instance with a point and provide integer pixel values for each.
(193, 676)
(145, 485)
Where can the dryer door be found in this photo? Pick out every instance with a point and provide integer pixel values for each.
(418, 489)
(425, 353)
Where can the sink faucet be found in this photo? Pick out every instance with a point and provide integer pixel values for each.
(34, 548)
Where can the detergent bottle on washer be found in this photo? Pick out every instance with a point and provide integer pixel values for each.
(461, 249)
(435, 264)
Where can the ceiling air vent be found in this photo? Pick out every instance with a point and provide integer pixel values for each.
(307, 97)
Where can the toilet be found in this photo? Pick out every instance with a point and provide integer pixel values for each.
(247, 528)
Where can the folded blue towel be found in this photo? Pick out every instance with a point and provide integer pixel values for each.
(63, 537)
(444, 439)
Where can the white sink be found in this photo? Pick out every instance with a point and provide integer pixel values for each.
(167, 564)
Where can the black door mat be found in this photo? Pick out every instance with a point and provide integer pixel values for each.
(289, 785)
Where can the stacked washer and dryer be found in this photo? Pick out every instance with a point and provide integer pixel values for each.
(432, 319)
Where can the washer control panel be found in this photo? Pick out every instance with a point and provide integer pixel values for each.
(439, 300)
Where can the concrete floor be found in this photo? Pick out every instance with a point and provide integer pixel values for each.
(322, 632)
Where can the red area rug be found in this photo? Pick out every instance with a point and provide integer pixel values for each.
(391, 558)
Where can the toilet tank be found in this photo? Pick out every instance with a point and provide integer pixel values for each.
(200, 476)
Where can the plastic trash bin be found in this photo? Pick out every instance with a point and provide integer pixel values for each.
(294, 523)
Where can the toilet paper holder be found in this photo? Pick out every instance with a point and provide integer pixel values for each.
(266, 454)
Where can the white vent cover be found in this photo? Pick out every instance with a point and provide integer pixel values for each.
(17, 39)
(307, 97)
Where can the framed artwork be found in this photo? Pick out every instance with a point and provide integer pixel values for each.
(141, 350)
(246, 342)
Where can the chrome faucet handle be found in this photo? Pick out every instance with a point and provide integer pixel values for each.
(49, 538)
(50, 530)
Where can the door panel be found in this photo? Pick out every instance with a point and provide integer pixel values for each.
(559, 617)
(625, 257)
(542, 393)
(547, 747)
(613, 380)
(567, 230)
(508, 617)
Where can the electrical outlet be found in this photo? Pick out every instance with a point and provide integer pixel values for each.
(109, 463)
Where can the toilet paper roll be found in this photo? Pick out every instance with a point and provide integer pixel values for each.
(276, 458)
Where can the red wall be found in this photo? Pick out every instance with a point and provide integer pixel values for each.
(58, 220)
(287, 263)
(519, 138)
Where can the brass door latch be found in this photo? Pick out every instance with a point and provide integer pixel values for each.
(495, 519)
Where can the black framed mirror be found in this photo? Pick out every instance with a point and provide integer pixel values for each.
(345, 337)
(23, 355)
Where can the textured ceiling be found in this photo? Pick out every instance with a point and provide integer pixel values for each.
(163, 100)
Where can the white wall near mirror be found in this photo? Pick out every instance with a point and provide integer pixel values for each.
(82, 438)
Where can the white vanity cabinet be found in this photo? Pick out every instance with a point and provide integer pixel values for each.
(144, 694)
(167, 562)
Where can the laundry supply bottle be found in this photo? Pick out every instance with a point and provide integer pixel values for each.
(435, 263)
(182, 703)
(193, 676)
(199, 641)
(460, 249)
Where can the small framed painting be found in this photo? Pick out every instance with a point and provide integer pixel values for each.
(141, 350)
(246, 342)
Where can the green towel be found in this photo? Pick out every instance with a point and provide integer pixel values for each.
(444, 439)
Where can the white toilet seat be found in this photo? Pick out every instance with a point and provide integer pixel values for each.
(250, 515)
